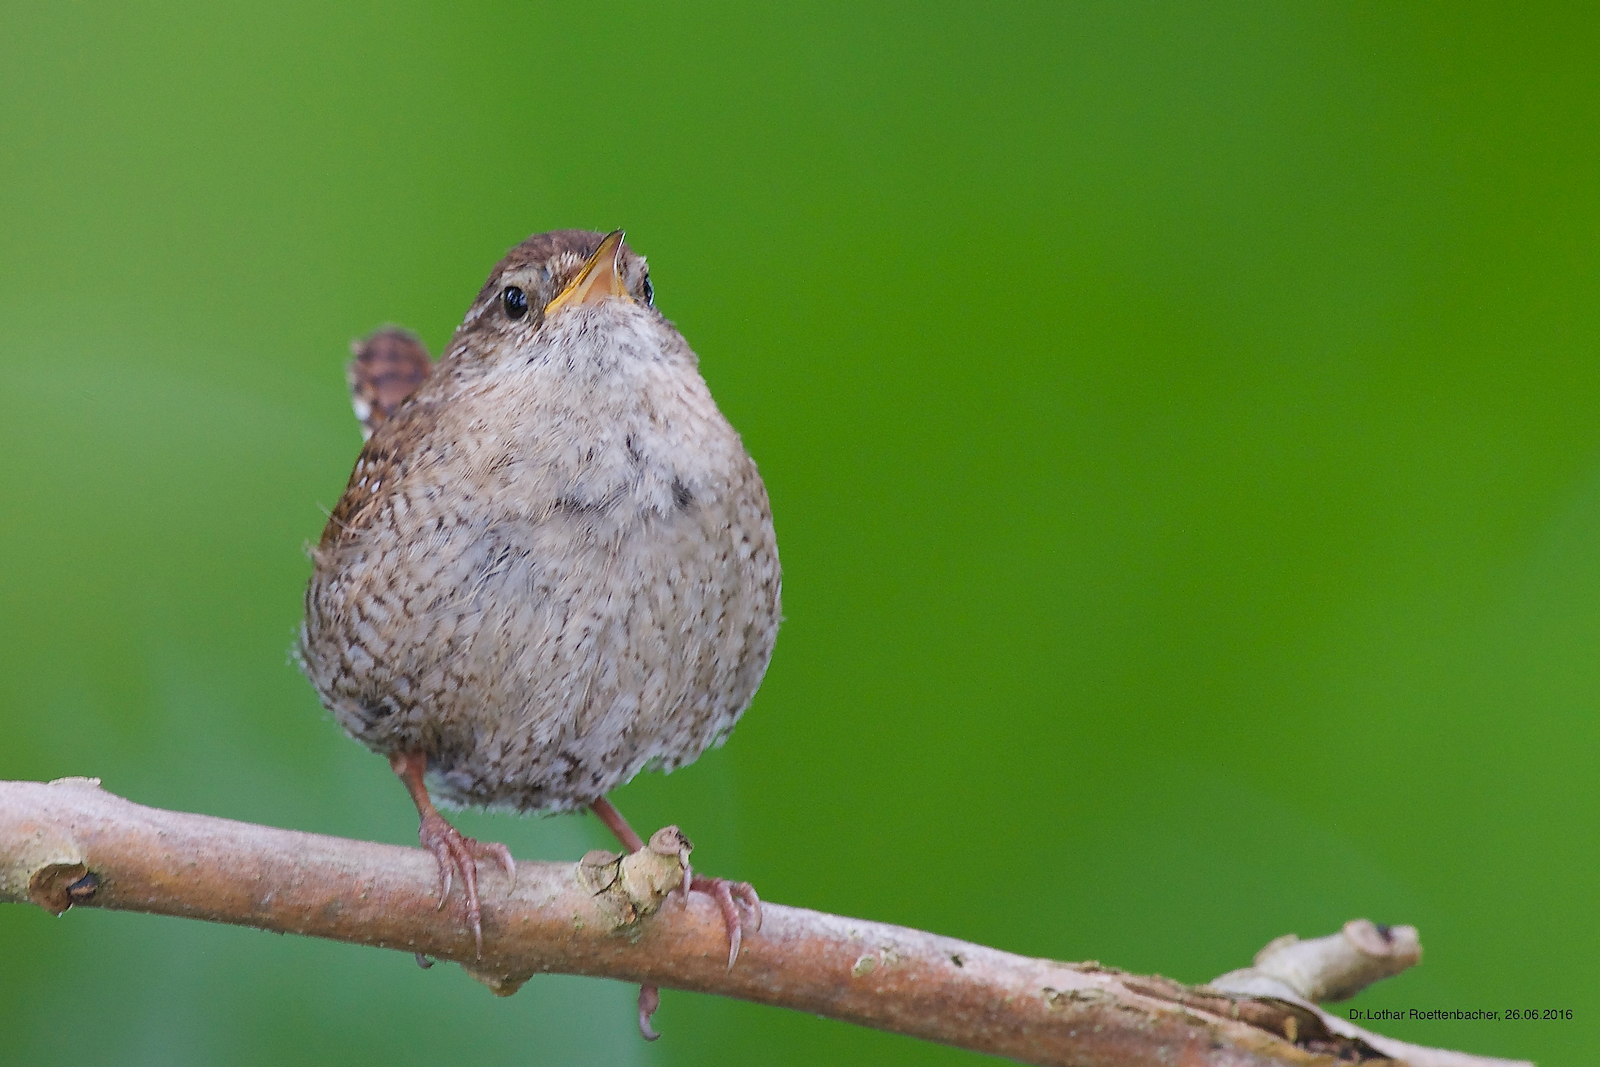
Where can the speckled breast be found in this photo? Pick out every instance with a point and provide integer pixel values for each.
(540, 661)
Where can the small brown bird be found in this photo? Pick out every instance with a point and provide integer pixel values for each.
(554, 563)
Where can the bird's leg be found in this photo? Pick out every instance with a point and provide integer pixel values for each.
(720, 890)
(649, 995)
(454, 852)
(617, 824)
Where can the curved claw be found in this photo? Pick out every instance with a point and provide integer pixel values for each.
(444, 875)
(499, 853)
(722, 891)
(747, 896)
(649, 1001)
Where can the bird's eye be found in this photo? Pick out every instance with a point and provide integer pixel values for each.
(649, 291)
(515, 301)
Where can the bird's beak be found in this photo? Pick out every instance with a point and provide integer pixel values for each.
(600, 278)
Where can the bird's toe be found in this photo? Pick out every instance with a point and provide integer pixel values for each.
(457, 856)
(649, 1001)
(724, 892)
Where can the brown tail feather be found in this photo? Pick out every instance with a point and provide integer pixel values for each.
(389, 366)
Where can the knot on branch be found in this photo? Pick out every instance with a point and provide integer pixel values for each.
(628, 888)
(47, 867)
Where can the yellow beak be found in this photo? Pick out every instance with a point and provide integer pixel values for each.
(601, 277)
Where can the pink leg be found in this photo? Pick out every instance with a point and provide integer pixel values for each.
(617, 824)
(454, 853)
(649, 995)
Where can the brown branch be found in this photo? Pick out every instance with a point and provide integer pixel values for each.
(69, 843)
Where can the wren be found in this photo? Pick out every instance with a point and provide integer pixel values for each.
(554, 564)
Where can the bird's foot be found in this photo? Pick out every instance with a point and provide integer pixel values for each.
(668, 841)
(458, 854)
(725, 893)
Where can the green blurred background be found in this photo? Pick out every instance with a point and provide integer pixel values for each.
(1181, 424)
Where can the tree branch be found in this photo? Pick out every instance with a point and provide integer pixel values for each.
(69, 843)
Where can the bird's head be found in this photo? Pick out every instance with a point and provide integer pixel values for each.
(553, 280)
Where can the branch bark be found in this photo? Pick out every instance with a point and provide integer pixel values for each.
(71, 844)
